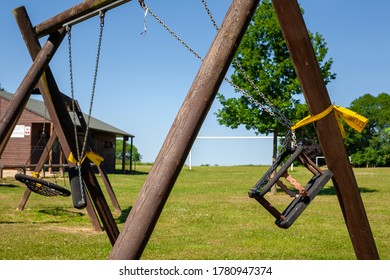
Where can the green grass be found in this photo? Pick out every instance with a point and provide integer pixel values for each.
(207, 216)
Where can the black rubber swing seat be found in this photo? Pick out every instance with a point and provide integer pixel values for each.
(300, 202)
(42, 187)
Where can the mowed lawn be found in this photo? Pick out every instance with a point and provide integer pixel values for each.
(207, 216)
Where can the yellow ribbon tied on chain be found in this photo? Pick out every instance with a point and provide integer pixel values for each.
(95, 158)
(353, 119)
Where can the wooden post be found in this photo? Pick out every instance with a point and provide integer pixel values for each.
(82, 11)
(51, 150)
(124, 141)
(131, 154)
(150, 202)
(328, 132)
(26, 87)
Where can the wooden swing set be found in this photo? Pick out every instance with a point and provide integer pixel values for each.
(132, 240)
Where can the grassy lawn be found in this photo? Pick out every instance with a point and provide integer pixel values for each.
(208, 216)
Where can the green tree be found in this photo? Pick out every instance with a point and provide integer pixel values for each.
(372, 146)
(137, 157)
(1, 88)
(264, 57)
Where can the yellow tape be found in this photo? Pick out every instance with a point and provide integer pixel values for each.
(95, 158)
(72, 159)
(354, 120)
(311, 119)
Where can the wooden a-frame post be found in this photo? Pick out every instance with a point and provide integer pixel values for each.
(328, 132)
(157, 187)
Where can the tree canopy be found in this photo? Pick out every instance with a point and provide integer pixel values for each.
(372, 146)
(136, 157)
(265, 59)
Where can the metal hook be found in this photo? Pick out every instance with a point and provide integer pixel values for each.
(102, 14)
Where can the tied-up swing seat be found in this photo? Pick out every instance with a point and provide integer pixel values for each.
(37, 185)
(42, 187)
(301, 200)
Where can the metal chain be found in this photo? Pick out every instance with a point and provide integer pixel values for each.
(272, 111)
(210, 14)
(80, 155)
(147, 10)
(69, 32)
(102, 15)
(270, 108)
(69, 29)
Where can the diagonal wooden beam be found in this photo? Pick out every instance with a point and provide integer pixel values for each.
(328, 132)
(26, 87)
(162, 177)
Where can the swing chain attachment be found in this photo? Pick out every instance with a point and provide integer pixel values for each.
(142, 3)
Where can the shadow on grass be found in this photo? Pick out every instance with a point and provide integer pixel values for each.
(134, 172)
(123, 216)
(11, 222)
(61, 212)
(332, 191)
(8, 185)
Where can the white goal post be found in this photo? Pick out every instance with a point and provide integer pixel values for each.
(322, 157)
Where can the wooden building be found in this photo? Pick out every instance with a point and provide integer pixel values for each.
(33, 130)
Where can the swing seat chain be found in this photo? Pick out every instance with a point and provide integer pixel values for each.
(79, 190)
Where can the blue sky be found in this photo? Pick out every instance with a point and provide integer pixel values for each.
(143, 79)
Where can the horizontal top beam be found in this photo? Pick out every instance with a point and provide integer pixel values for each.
(76, 14)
